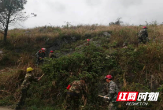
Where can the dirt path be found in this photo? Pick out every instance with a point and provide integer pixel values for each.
(5, 108)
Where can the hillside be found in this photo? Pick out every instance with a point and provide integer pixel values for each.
(138, 67)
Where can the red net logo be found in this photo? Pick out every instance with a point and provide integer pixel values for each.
(127, 96)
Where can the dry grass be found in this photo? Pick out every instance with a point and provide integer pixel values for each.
(128, 33)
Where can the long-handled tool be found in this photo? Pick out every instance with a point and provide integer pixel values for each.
(103, 96)
(40, 77)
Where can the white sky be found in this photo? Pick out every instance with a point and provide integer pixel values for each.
(58, 12)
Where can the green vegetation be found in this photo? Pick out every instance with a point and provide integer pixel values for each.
(135, 68)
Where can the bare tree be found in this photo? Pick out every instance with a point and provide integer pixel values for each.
(10, 12)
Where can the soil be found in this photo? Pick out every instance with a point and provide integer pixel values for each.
(5, 108)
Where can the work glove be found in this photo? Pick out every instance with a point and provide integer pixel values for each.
(106, 97)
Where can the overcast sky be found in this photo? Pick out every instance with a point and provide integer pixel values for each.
(58, 12)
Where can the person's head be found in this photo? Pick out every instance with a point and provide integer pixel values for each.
(51, 51)
(29, 70)
(83, 79)
(108, 78)
(43, 49)
(144, 27)
(88, 40)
